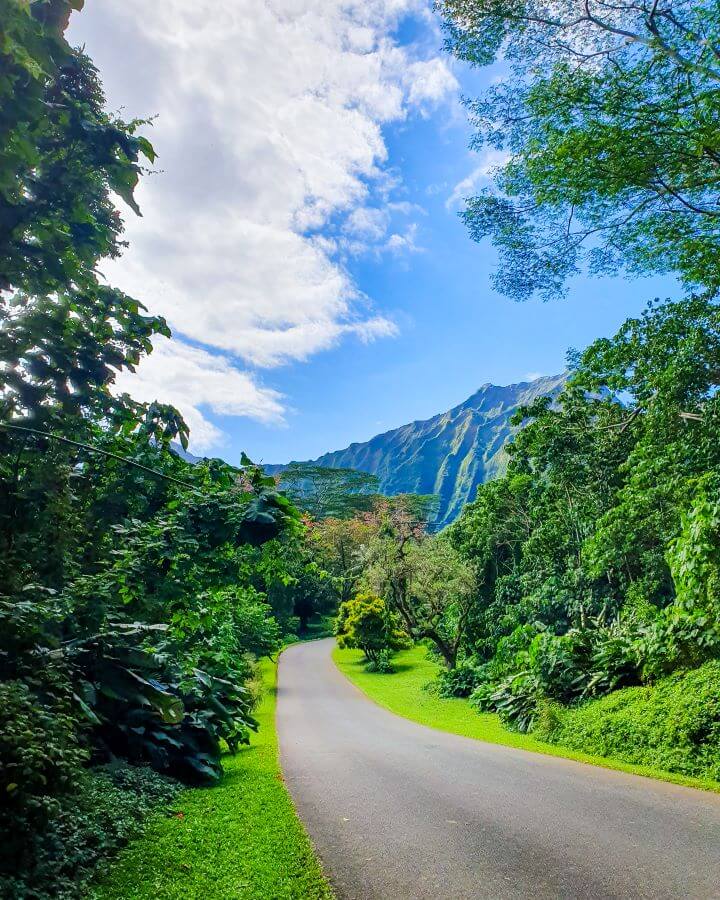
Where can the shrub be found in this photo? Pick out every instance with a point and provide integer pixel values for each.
(564, 669)
(672, 725)
(515, 700)
(458, 682)
(486, 680)
(116, 691)
(365, 622)
(145, 708)
(40, 762)
(557, 663)
(616, 658)
(547, 718)
(382, 663)
(481, 697)
(108, 807)
(589, 661)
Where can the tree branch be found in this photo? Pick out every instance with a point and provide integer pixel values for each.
(81, 446)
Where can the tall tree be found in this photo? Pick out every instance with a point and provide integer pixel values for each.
(324, 492)
(426, 583)
(340, 545)
(609, 119)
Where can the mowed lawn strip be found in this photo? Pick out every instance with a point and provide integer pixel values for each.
(239, 839)
(404, 693)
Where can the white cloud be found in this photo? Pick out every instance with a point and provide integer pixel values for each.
(192, 379)
(405, 242)
(429, 82)
(367, 223)
(490, 160)
(269, 130)
(368, 230)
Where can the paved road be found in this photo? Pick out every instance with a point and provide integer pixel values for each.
(403, 812)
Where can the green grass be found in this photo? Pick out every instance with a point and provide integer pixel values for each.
(404, 694)
(239, 839)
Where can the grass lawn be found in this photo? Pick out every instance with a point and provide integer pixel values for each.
(404, 693)
(239, 839)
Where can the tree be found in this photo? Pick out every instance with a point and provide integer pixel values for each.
(428, 584)
(340, 547)
(61, 154)
(323, 492)
(128, 615)
(598, 551)
(366, 623)
(294, 580)
(609, 120)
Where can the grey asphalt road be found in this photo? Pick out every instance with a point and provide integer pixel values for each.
(403, 812)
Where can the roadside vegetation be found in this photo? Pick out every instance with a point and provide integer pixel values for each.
(137, 591)
(593, 734)
(239, 839)
(576, 600)
(578, 596)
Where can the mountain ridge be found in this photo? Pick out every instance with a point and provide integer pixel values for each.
(450, 453)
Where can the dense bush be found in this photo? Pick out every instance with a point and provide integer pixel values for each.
(599, 551)
(458, 682)
(481, 696)
(108, 807)
(366, 623)
(381, 663)
(515, 699)
(134, 586)
(672, 725)
(40, 757)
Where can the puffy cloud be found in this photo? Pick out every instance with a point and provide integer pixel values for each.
(367, 223)
(192, 379)
(269, 137)
(429, 82)
(403, 243)
(366, 230)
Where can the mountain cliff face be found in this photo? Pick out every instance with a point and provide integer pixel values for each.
(449, 454)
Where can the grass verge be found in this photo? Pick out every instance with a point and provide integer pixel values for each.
(404, 693)
(239, 839)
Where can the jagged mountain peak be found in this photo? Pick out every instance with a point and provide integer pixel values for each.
(450, 453)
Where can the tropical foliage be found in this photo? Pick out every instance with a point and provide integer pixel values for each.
(592, 565)
(672, 725)
(428, 584)
(578, 595)
(366, 623)
(135, 588)
(598, 550)
(606, 118)
(324, 492)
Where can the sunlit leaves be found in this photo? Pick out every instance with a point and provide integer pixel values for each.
(610, 118)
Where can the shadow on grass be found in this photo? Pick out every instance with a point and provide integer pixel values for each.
(396, 669)
(401, 667)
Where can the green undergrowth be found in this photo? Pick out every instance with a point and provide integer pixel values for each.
(238, 839)
(405, 693)
(675, 724)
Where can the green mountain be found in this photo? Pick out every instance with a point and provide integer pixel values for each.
(449, 454)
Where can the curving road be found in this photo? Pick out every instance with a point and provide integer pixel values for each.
(402, 812)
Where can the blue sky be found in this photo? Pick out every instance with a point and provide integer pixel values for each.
(303, 237)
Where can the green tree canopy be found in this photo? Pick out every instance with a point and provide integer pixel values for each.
(598, 551)
(130, 597)
(367, 623)
(609, 119)
(325, 492)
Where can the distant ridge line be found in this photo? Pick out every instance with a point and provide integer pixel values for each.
(425, 456)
